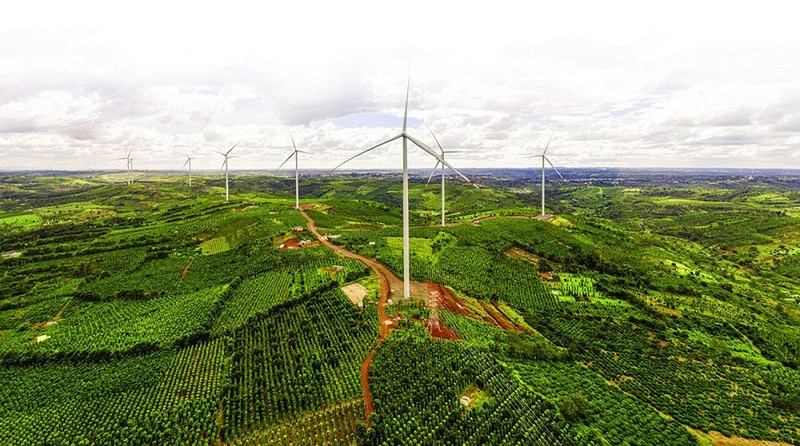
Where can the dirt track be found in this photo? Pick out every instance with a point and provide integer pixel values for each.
(388, 282)
(477, 221)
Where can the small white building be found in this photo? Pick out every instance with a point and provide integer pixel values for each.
(41, 338)
(465, 400)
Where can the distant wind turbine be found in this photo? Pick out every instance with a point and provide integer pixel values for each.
(225, 165)
(545, 158)
(296, 171)
(406, 137)
(442, 152)
(189, 163)
(129, 166)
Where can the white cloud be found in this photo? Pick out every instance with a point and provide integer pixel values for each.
(619, 83)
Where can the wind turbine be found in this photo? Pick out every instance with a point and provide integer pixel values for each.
(296, 172)
(437, 165)
(406, 137)
(545, 158)
(128, 166)
(225, 165)
(189, 162)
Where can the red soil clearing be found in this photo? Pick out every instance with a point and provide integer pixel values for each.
(442, 331)
(292, 243)
(447, 299)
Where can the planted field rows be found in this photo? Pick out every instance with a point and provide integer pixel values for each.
(302, 360)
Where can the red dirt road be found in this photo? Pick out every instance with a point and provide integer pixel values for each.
(388, 282)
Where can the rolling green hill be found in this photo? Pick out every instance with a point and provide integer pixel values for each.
(155, 313)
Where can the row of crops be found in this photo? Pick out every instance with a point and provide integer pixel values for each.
(620, 419)
(700, 385)
(100, 329)
(421, 405)
(296, 364)
(169, 397)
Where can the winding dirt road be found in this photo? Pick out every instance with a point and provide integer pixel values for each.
(389, 281)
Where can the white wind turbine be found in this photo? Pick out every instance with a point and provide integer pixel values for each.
(129, 166)
(225, 165)
(442, 152)
(406, 137)
(189, 163)
(545, 158)
(296, 171)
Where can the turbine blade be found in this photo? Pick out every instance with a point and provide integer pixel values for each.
(548, 143)
(185, 163)
(129, 152)
(365, 151)
(439, 158)
(234, 146)
(434, 137)
(287, 159)
(303, 151)
(554, 167)
(405, 112)
(432, 173)
(223, 164)
(292, 138)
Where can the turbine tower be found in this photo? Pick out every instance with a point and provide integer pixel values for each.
(296, 171)
(545, 158)
(128, 166)
(442, 152)
(225, 165)
(189, 163)
(406, 137)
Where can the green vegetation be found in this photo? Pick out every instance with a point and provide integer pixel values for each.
(654, 307)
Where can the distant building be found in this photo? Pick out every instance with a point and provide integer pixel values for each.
(465, 400)
(298, 229)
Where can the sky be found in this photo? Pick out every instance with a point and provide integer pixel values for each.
(616, 84)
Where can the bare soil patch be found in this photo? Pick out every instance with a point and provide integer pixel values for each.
(186, 270)
(292, 243)
(355, 292)
(441, 331)
(525, 256)
(447, 299)
(478, 220)
(721, 440)
(500, 319)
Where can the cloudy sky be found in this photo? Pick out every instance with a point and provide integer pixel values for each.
(620, 84)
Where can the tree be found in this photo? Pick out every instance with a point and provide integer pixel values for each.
(574, 407)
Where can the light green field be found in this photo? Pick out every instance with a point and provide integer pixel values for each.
(420, 247)
(214, 246)
(25, 221)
